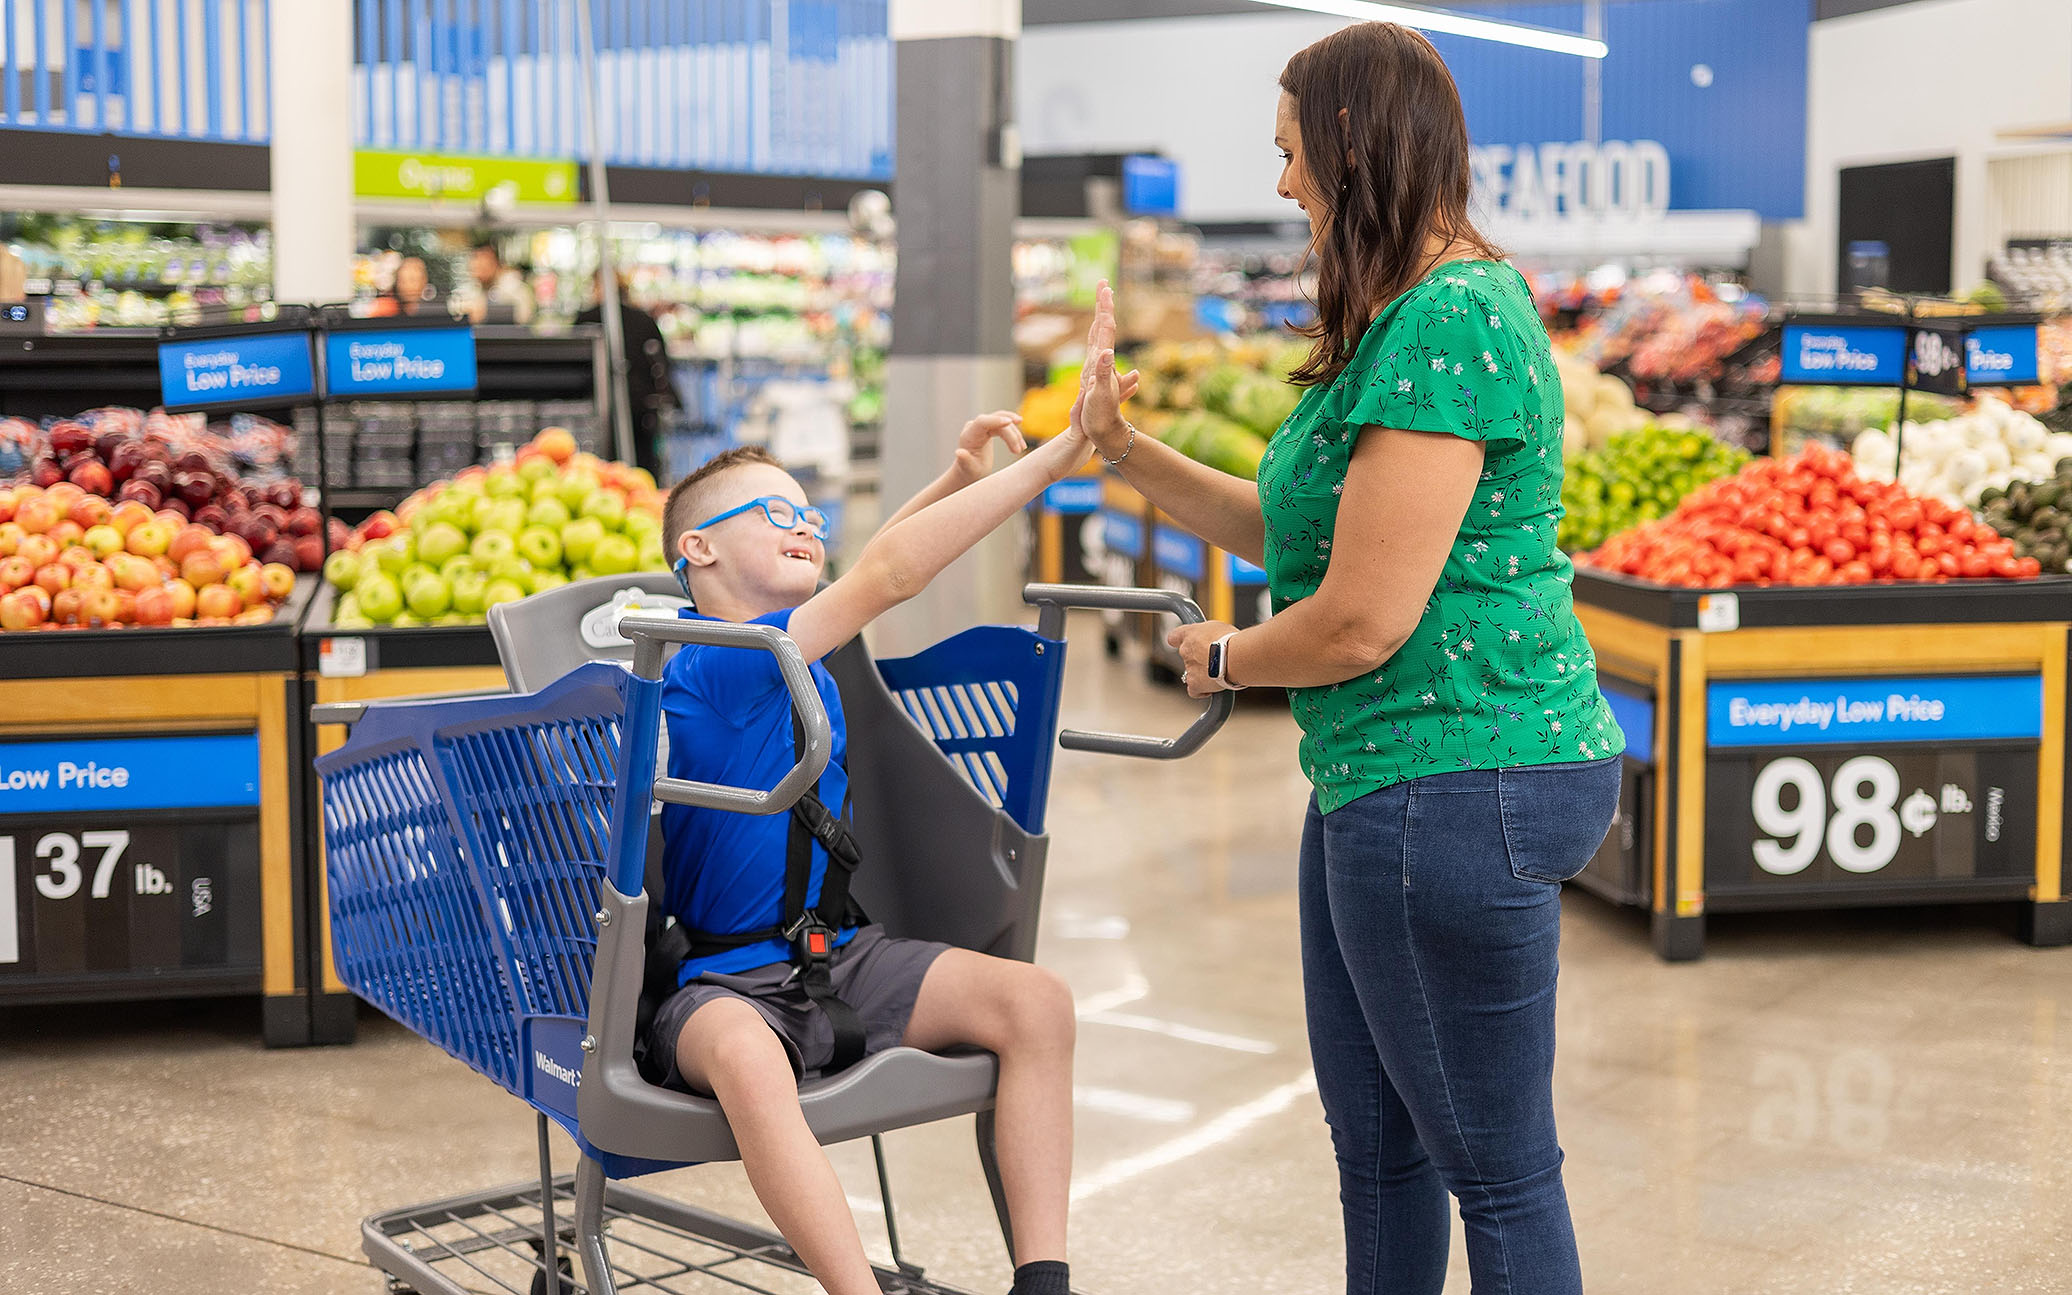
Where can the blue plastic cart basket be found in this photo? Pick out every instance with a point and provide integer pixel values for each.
(487, 860)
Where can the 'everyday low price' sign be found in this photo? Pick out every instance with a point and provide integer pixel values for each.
(250, 369)
(400, 361)
(2001, 355)
(1854, 355)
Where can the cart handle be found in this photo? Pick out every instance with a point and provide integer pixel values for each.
(1050, 623)
(352, 712)
(651, 635)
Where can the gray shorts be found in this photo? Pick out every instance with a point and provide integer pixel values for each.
(877, 975)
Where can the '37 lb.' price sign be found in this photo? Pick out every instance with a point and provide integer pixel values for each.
(1865, 783)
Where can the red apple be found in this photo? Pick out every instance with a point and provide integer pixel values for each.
(102, 607)
(53, 579)
(149, 539)
(129, 514)
(134, 573)
(285, 493)
(380, 526)
(89, 511)
(177, 509)
(14, 573)
(97, 576)
(76, 556)
(189, 539)
(282, 553)
(260, 615)
(68, 437)
(197, 488)
(305, 521)
(202, 570)
(36, 516)
(137, 490)
(216, 602)
(256, 531)
(62, 494)
(309, 553)
(279, 578)
(40, 550)
(45, 472)
(248, 584)
(340, 534)
(107, 443)
(8, 497)
(22, 611)
(154, 606)
(231, 551)
(128, 457)
(11, 537)
(126, 605)
(213, 517)
(182, 595)
(167, 568)
(169, 518)
(66, 606)
(67, 532)
(92, 477)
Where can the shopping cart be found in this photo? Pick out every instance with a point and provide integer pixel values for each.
(487, 855)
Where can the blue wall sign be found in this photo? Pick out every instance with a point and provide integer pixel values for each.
(1848, 355)
(400, 361)
(2001, 355)
(248, 369)
(1831, 712)
(129, 773)
(1075, 496)
(1123, 534)
(1635, 712)
(1150, 185)
(1241, 572)
(1178, 552)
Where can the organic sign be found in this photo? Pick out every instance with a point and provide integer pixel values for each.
(379, 174)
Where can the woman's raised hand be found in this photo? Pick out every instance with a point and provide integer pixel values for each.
(1098, 410)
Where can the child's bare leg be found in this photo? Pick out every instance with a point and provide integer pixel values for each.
(728, 1049)
(1023, 1015)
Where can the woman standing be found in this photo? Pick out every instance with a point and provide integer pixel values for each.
(1464, 763)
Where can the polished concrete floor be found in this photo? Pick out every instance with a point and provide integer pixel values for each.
(1870, 1102)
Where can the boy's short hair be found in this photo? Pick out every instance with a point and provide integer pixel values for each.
(690, 497)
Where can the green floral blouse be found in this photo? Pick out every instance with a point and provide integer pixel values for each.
(1498, 673)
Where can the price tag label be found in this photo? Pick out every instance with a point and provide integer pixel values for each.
(342, 658)
(1719, 613)
(86, 897)
(1838, 817)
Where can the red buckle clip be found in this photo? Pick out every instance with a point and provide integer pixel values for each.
(817, 943)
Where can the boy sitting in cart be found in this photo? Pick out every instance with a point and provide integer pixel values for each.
(778, 981)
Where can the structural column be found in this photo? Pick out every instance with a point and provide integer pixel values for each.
(956, 196)
(310, 71)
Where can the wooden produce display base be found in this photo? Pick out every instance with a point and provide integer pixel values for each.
(1815, 748)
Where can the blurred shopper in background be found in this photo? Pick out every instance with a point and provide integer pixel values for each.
(495, 293)
(645, 389)
(1463, 760)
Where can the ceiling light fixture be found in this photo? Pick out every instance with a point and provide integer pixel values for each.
(1453, 24)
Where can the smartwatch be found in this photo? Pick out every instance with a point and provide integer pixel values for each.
(1219, 661)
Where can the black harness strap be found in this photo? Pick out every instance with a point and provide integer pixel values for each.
(811, 932)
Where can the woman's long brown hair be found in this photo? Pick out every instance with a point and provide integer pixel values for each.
(1409, 178)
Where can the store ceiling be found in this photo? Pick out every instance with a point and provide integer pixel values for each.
(1038, 13)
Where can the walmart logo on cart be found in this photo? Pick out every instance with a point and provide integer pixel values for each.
(553, 1069)
(1829, 711)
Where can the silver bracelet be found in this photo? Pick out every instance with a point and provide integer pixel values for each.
(1128, 445)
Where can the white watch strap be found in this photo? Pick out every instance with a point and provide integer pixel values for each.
(1221, 656)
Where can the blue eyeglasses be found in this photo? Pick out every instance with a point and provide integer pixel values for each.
(780, 512)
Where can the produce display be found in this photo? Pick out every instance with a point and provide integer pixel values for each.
(1810, 520)
(1597, 406)
(1637, 477)
(1958, 460)
(1840, 413)
(495, 534)
(2036, 516)
(69, 559)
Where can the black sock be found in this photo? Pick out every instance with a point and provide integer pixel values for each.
(1044, 1277)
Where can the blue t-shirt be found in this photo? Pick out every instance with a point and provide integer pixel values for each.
(729, 722)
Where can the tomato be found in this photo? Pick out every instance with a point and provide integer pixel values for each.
(1855, 573)
(1930, 545)
(1975, 566)
(1839, 551)
(1906, 565)
(2007, 568)
(2028, 568)
(1947, 563)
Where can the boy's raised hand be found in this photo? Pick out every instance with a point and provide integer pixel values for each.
(974, 443)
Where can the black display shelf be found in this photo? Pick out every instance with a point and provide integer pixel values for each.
(1960, 602)
(415, 647)
(136, 651)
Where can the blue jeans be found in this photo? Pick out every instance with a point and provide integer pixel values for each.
(1431, 924)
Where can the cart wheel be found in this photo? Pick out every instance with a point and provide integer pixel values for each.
(1114, 646)
(568, 1277)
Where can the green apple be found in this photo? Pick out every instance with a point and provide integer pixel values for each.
(502, 591)
(452, 618)
(429, 597)
(640, 524)
(614, 555)
(537, 469)
(547, 487)
(506, 515)
(549, 512)
(651, 556)
(379, 596)
(406, 620)
(440, 542)
(542, 581)
(470, 591)
(353, 622)
(514, 569)
(342, 569)
(579, 538)
(491, 545)
(347, 606)
(541, 546)
(415, 572)
(580, 571)
(575, 487)
(390, 555)
(505, 483)
(607, 507)
(453, 566)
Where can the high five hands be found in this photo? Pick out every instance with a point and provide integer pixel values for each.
(1098, 411)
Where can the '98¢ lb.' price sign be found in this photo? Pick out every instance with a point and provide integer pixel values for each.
(1833, 817)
